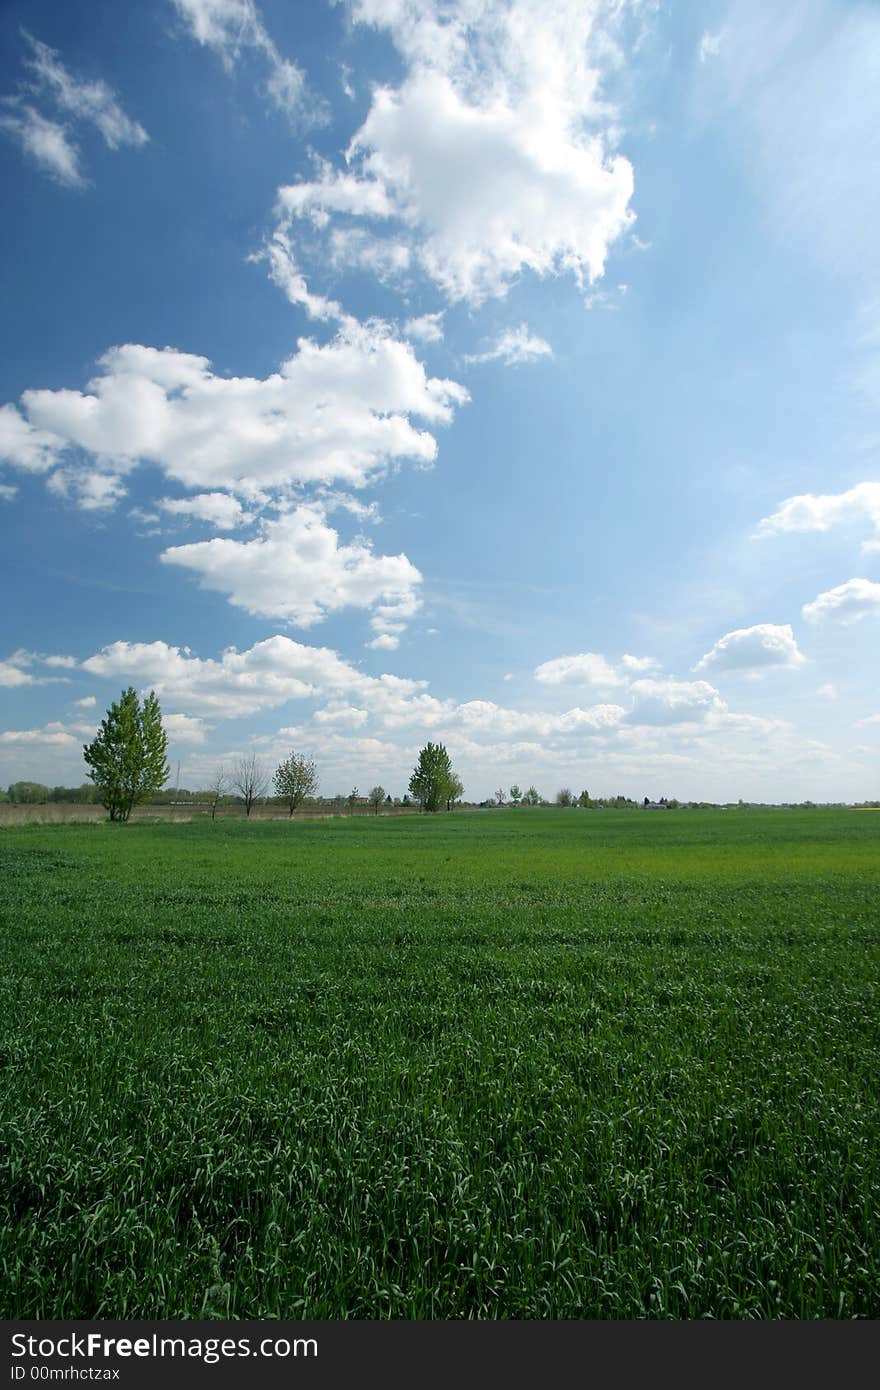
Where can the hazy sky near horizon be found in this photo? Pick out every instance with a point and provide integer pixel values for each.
(505, 374)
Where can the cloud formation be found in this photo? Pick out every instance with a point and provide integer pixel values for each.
(753, 649)
(297, 569)
(49, 142)
(820, 512)
(229, 27)
(218, 509)
(591, 668)
(338, 412)
(512, 347)
(491, 158)
(846, 604)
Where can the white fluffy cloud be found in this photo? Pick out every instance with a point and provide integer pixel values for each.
(489, 158)
(847, 603)
(591, 668)
(231, 26)
(11, 675)
(279, 670)
(218, 509)
(427, 328)
(674, 702)
(52, 735)
(90, 489)
(512, 347)
(820, 512)
(338, 412)
(184, 728)
(297, 569)
(33, 450)
(753, 648)
(268, 674)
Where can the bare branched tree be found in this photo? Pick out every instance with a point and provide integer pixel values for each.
(250, 779)
(219, 785)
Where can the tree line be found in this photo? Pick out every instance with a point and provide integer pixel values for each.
(128, 764)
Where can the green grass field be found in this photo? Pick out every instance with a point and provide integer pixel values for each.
(551, 1064)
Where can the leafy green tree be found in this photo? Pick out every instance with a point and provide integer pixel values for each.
(432, 777)
(354, 797)
(127, 757)
(376, 797)
(28, 794)
(565, 797)
(456, 791)
(533, 796)
(584, 799)
(516, 795)
(295, 779)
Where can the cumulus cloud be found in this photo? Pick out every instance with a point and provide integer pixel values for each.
(268, 674)
(753, 648)
(12, 672)
(52, 735)
(847, 603)
(338, 412)
(184, 728)
(591, 668)
(90, 489)
(33, 450)
(427, 328)
(673, 702)
(489, 159)
(279, 670)
(229, 27)
(820, 512)
(297, 569)
(12, 675)
(218, 509)
(512, 347)
(87, 702)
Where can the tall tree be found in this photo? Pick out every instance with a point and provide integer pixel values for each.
(515, 794)
(295, 779)
(250, 779)
(431, 778)
(127, 757)
(456, 791)
(376, 797)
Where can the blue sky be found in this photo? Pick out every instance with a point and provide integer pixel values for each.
(499, 373)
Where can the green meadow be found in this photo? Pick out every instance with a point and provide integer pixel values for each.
(519, 1064)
